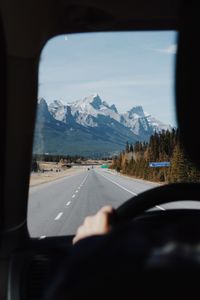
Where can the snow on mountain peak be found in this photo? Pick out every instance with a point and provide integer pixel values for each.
(94, 95)
(158, 125)
(41, 100)
(58, 110)
(113, 107)
(92, 106)
(96, 102)
(87, 111)
(57, 103)
(136, 112)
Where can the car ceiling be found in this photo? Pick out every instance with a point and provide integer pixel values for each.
(28, 24)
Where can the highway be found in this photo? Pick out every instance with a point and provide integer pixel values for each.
(59, 207)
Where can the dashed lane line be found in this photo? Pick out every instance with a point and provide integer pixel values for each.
(58, 216)
(84, 180)
(68, 203)
(82, 183)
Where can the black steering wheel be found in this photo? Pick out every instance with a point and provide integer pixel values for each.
(157, 196)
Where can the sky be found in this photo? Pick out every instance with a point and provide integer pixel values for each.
(124, 68)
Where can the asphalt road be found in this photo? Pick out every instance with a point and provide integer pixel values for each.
(59, 207)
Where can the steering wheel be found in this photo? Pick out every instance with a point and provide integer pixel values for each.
(157, 196)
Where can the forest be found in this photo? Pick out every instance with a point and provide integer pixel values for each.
(162, 147)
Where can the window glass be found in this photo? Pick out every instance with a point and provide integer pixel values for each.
(105, 128)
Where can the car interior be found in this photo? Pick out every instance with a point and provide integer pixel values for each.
(27, 265)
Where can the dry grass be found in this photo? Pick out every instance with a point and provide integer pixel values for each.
(52, 172)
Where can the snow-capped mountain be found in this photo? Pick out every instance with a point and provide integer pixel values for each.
(58, 110)
(156, 124)
(136, 120)
(86, 112)
(90, 125)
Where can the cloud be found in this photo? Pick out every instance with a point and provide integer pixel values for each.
(119, 83)
(109, 83)
(172, 49)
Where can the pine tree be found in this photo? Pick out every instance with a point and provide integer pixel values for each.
(163, 146)
(179, 166)
(131, 148)
(127, 147)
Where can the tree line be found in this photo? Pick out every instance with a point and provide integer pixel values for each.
(163, 146)
(56, 157)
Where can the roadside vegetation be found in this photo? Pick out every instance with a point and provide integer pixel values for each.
(163, 146)
(62, 161)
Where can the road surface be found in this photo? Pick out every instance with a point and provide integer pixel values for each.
(59, 207)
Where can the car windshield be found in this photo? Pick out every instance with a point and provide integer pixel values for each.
(105, 129)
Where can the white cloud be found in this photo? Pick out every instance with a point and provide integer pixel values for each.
(119, 82)
(172, 49)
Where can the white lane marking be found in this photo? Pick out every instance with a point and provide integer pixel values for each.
(58, 216)
(160, 207)
(74, 195)
(119, 185)
(68, 203)
(37, 187)
(42, 237)
(82, 183)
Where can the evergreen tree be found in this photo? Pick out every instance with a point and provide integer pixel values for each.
(127, 147)
(179, 166)
(163, 146)
(131, 148)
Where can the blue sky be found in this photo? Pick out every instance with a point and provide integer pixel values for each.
(124, 68)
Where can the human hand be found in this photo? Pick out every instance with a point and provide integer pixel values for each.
(95, 225)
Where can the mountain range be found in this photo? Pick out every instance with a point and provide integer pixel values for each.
(90, 127)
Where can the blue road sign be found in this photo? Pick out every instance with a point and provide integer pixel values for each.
(159, 164)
